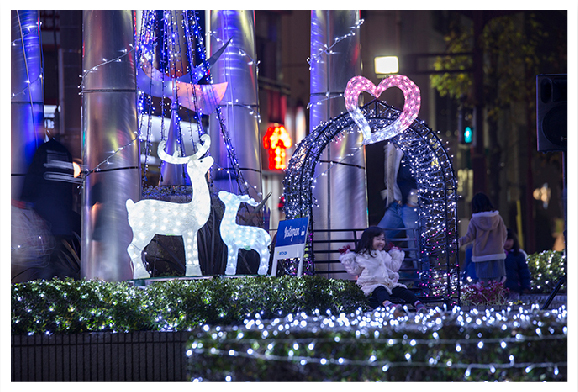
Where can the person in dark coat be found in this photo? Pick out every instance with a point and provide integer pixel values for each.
(48, 188)
(517, 271)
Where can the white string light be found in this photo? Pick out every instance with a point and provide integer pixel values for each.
(107, 159)
(85, 73)
(251, 61)
(328, 50)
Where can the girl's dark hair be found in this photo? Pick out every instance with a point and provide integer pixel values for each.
(513, 236)
(365, 243)
(481, 203)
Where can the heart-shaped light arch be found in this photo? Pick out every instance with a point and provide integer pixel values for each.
(358, 84)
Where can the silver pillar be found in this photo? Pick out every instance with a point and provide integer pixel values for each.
(239, 107)
(109, 124)
(69, 71)
(27, 103)
(341, 192)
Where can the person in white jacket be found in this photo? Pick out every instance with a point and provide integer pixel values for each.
(377, 270)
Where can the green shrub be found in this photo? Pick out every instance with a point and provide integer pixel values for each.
(546, 268)
(68, 306)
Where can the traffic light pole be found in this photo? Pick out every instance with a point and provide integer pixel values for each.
(479, 166)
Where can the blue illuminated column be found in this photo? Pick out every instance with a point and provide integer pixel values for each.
(341, 192)
(27, 103)
(176, 58)
(110, 152)
(239, 107)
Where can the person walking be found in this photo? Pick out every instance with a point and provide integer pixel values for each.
(488, 233)
(48, 189)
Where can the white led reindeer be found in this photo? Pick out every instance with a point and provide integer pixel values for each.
(242, 237)
(150, 217)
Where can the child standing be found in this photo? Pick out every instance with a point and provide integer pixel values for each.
(488, 232)
(377, 270)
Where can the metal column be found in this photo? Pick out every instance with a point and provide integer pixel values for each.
(240, 104)
(341, 191)
(27, 103)
(110, 148)
(69, 71)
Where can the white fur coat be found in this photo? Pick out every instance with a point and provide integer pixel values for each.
(378, 269)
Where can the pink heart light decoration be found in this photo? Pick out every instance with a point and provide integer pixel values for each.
(358, 84)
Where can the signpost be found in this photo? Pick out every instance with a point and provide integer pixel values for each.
(290, 242)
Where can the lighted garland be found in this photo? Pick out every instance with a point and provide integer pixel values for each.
(251, 61)
(25, 34)
(328, 50)
(243, 185)
(431, 165)
(515, 344)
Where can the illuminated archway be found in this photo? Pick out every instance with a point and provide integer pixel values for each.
(431, 165)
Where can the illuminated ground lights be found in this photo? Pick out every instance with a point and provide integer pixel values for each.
(514, 344)
(248, 329)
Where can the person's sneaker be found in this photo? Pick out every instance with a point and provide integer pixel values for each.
(420, 308)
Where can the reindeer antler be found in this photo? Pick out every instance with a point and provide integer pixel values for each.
(204, 147)
(174, 159)
(249, 200)
(262, 203)
(177, 160)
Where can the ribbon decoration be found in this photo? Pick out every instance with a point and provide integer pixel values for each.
(198, 98)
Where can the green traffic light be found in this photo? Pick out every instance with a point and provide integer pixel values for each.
(468, 135)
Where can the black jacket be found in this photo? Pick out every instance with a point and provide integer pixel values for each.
(48, 185)
(517, 272)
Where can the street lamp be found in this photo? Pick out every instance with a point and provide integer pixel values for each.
(386, 65)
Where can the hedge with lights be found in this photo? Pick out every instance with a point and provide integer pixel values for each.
(546, 269)
(68, 306)
(512, 345)
(307, 328)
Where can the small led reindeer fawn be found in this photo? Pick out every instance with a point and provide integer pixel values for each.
(150, 217)
(242, 237)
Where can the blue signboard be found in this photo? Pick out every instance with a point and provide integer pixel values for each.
(292, 232)
(290, 242)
